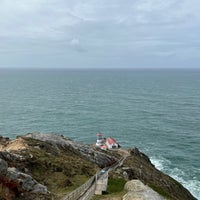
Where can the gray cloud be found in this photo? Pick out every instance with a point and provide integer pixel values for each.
(93, 33)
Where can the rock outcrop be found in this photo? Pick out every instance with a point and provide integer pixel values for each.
(15, 184)
(136, 190)
(34, 162)
(138, 166)
(90, 153)
(48, 166)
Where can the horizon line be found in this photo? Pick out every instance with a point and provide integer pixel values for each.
(99, 68)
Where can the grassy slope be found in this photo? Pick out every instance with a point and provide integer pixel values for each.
(60, 170)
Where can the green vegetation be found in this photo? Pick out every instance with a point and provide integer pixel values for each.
(159, 190)
(63, 168)
(60, 170)
(115, 185)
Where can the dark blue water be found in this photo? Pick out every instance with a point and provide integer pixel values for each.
(155, 110)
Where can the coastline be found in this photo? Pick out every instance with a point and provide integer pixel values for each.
(35, 148)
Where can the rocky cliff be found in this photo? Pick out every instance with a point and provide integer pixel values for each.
(138, 166)
(48, 166)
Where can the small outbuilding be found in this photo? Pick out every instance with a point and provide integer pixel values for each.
(111, 143)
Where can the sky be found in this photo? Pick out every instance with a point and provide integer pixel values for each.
(99, 33)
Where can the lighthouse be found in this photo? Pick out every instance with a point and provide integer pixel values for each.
(99, 139)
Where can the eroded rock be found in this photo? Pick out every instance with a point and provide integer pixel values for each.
(15, 183)
(136, 190)
(138, 166)
(32, 161)
(3, 167)
(99, 157)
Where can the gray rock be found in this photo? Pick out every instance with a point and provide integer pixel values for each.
(21, 180)
(136, 190)
(12, 174)
(3, 167)
(28, 183)
(100, 158)
(39, 188)
(125, 175)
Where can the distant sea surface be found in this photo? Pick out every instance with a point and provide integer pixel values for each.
(157, 111)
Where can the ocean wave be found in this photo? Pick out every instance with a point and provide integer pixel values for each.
(193, 185)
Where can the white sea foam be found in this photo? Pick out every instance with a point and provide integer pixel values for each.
(158, 163)
(193, 185)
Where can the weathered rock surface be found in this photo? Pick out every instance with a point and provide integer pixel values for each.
(137, 190)
(48, 166)
(3, 167)
(15, 184)
(52, 160)
(90, 153)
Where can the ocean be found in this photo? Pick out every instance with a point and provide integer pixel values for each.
(157, 111)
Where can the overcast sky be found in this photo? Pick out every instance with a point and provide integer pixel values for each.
(99, 33)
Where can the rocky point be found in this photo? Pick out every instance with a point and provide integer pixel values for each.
(49, 166)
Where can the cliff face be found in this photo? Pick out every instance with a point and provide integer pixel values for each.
(88, 152)
(15, 184)
(139, 166)
(47, 166)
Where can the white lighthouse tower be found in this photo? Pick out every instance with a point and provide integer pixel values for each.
(99, 140)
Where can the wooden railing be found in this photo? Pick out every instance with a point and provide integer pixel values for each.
(77, 193)
(89, 193)
(87, 190)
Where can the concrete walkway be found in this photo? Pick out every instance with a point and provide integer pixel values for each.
(101, 183)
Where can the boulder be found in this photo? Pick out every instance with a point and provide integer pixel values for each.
(136, 190)
(15, 183)
(3, 167)
(134, 185)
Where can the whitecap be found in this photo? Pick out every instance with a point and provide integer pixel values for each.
(160, 163)
(193, 185)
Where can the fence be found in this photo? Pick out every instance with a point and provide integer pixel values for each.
(76, 194)
(89, 194)
(87, 190)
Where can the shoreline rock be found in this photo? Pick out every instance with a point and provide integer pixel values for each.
(46, 166)
(138, 166)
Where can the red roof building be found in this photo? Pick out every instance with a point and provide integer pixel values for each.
(111, 143)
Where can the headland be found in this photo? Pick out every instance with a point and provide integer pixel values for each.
(51, 166)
